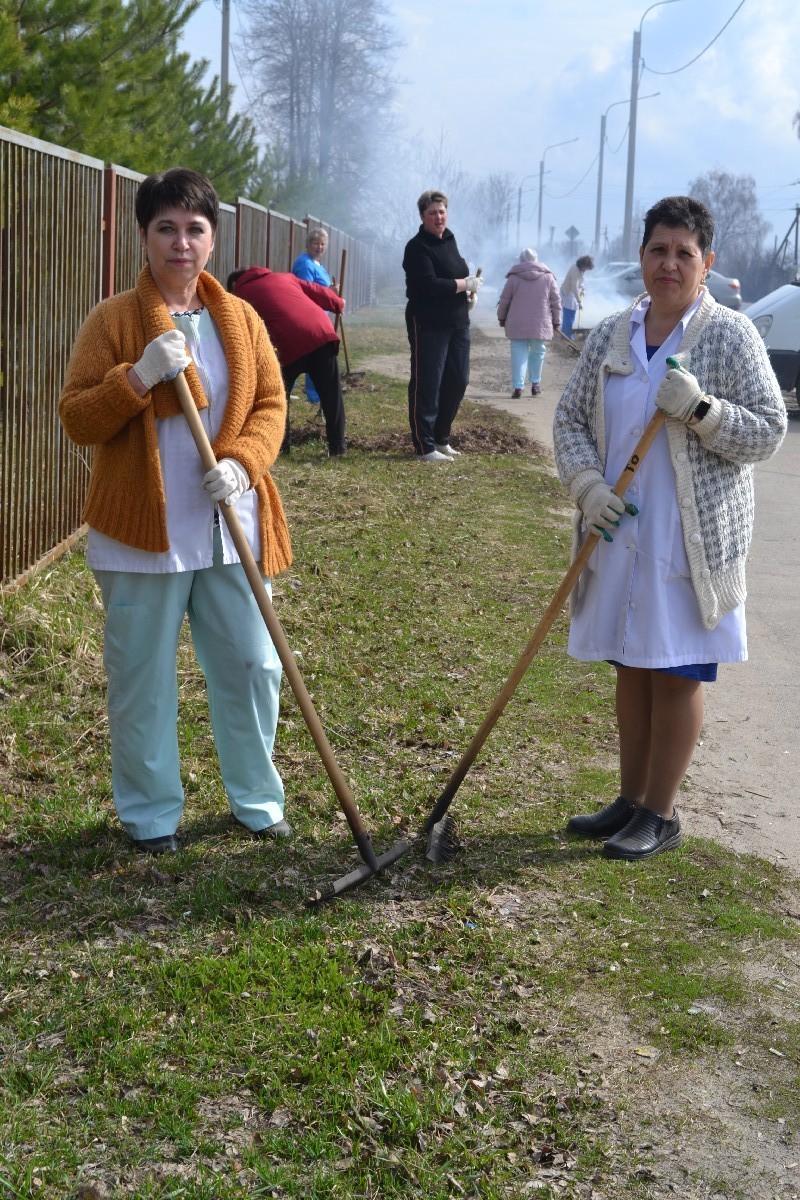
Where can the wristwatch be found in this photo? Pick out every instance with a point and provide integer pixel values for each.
(701, 410)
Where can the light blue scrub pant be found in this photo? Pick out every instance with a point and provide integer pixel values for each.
(527, 353)
(144, 614)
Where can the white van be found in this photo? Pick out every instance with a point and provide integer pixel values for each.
(777, 319)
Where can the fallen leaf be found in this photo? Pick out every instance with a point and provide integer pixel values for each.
(646, 1051)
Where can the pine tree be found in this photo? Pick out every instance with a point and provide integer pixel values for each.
(105, 78)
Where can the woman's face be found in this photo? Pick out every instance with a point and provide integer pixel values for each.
(673, 267)
(434, 219)
(178, 246)
(317, 247)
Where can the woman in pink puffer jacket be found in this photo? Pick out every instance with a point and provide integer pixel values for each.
(529, 309)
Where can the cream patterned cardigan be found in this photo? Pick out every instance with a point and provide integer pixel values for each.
(713, 460)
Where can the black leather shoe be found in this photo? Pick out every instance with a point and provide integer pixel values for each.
(281, 829)
(607, 821)
(159, 845)
(645, 834)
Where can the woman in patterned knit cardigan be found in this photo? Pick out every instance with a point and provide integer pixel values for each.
(662, 597)
(156, 544)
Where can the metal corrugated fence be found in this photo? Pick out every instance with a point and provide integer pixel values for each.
(68, 238)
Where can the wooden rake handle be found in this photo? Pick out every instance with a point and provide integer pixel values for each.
(340, 288)
(275, 630)
(542, 629)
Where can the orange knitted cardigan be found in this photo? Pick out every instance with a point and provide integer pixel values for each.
(99, 408)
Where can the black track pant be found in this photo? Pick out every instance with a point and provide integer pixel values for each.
(322, 368)
(439, 378)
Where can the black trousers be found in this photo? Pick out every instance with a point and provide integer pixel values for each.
(322, 368)
(439, 378)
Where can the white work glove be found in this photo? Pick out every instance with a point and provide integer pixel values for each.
(472, 300)
(474, 283)
(163, 358)
(601, 507)
(227, 481)
(679, 395)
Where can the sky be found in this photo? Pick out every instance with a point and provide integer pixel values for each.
(501, 82)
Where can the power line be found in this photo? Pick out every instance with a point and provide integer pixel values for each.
(678, 70)
(622, 139)
(564, 195)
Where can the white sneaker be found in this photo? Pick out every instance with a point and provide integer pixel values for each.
(448, 450)
(433, 456)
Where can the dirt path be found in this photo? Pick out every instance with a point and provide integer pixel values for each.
(743, 788)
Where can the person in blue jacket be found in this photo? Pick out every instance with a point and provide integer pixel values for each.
(308, 266)
(441, 291)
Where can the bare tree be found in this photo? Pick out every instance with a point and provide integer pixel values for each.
(323, 70)
(739, 228)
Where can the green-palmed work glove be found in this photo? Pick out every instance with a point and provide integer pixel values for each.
(601, 507)
(679, 395)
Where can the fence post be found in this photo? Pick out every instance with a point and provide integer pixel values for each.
(237, 236)
(109, 231)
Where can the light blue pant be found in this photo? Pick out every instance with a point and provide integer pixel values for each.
(312, 395)
(144, 614)
(527, 353)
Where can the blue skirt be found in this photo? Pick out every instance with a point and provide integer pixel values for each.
(703, 672)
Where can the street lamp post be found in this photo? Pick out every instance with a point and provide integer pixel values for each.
(635, 63)
(568, 142)
(519, 202)
(600, 165)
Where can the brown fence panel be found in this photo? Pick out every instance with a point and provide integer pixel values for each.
(251, 234)
(51, 212)
(279, 238)
(223, 260)
(297, 243)
(128, 252)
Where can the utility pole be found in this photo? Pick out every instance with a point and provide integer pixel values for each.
(599, 184)
(636, 65)
(225, 52)
(600, 165)
(635, 61)
(568, 142)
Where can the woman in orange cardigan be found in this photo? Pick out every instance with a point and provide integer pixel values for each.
(156, 544)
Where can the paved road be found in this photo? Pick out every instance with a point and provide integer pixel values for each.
(743, 788)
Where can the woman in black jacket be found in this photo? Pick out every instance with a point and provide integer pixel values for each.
(440, 293)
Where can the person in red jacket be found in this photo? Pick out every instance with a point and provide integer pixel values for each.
(295, 314)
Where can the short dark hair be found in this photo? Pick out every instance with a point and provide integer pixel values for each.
(176, 188)
(429, 197)
(681, 211)
(585, 263)
(230, 284)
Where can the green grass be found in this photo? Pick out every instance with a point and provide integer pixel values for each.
(190, 1027)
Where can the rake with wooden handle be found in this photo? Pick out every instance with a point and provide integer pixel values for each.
(338, 323)
(372, 863)
(439, 827)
